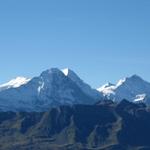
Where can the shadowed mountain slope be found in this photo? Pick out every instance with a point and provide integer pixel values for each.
(104, 126)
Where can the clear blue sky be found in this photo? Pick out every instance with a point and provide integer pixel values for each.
(101, 40)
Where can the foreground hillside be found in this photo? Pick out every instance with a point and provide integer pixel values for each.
(104, 126)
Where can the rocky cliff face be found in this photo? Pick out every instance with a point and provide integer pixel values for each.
(104, 126)
(51, 89)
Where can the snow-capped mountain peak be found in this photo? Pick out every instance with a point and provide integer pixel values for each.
(51, 88)
(66, 71)
(133, 78)
(107, 85)
(107, 88)
(80, 83)
(132, 88)
(121, 82)
(15, 83)
(71, 74)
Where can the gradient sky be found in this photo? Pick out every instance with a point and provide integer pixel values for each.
(101, 40)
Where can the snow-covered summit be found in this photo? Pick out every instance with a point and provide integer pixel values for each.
(66, 71)
(106, 88)
(132, 88)
(71, 74)
(54, 87)
(84, 86)
(15, 83)
(51, 88)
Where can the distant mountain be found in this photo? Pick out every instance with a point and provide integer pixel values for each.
(14, 83)
(59, 111)
(132, 88)
(52, 88)
(56, 87)
(80, 83)
(104, 126)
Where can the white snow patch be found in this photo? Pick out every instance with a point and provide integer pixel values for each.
(120, 82)
(108, 88)
(65, 71)
(140, 97)
(41, 87)
(129, 88)
(15, 83)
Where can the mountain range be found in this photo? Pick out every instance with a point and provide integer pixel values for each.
(59, 111)
(133, 88)
(52, 88)
(55, 87)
